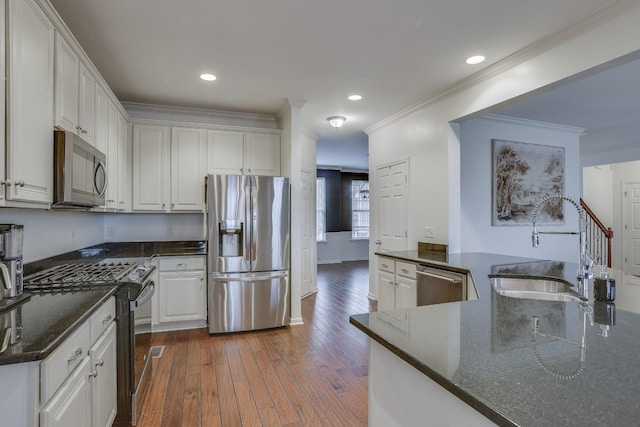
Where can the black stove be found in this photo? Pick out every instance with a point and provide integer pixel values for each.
(133, 318)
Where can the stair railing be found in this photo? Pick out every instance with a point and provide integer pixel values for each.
(598, 237)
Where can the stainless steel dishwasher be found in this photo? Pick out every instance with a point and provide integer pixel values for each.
(437, 285)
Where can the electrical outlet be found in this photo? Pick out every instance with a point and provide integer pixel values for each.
(428, 232)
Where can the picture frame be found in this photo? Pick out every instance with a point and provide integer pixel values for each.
(522, 174)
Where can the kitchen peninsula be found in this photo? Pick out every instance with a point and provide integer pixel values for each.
(479, 362)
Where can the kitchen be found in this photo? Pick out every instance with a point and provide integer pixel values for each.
(66, 231)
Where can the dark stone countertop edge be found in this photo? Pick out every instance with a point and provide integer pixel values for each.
(469, 399)
(54, 344)
(432, 259)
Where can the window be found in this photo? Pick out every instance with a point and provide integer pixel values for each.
(321, 209)
(359, 209)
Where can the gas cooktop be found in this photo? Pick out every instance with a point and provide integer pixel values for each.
(79, 275)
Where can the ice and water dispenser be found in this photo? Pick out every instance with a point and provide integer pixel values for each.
(231, 233)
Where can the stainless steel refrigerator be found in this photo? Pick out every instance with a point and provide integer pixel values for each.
(248, 252)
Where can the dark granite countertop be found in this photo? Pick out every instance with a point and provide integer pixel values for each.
(485, 353)
(47, 319)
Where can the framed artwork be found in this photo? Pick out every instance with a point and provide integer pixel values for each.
(522, 174)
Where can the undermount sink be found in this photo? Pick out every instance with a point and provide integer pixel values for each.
(535, 288)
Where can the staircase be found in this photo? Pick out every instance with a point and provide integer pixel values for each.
(598, 237)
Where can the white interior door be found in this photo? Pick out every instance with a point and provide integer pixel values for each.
(631, 232)
(393, 183)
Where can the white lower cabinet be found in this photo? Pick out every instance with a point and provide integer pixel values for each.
(78, 381)
(396, 284)
(103, 379)
(71, 405)
(180, 301)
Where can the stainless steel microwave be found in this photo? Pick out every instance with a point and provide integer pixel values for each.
(80, 172)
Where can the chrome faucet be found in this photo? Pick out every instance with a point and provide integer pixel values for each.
(586, 260)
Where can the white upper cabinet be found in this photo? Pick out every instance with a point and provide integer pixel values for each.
(151, 167)
(226, 152)
(67, 77)
(243, 153)
(112, 156)
(123, 165)
(86, 105)
(74, 92)
(188, 167)
(30, 88)
(261, 154)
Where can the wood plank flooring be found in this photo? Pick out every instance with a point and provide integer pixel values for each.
(309, 375)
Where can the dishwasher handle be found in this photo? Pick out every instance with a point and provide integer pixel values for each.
(438, 276)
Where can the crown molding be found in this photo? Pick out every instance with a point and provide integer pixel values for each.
(198, 115)
(531, 51)
(533, 123)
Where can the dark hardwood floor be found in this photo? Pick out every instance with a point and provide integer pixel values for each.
(309, 375)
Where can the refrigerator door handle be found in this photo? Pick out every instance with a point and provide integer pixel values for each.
(248, 278)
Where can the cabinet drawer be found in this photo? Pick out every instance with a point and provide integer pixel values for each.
(406, 269)
(102, 318)
(178, 263)
(386, 264)
(57, 367)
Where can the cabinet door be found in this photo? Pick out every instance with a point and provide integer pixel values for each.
(386, 291)
(103, 383)
(188, 166)
(181, 296)
(67, 66)
(150, 167)
(86, 105)
(405, 292)
(71, 405)
(123, 164)
(262, 154)
(225, 152)
(29, 103)
(112, 157)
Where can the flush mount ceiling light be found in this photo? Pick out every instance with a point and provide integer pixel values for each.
(472, 60)
(336, 121)
(207, 77)
(354, 97)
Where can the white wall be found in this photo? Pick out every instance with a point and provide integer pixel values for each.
(478, 235)
(49, 233)
(340, 247)
(423, 132)
(623, 173)
(146, 227)
(597, 186)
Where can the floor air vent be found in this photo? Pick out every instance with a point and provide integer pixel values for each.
(157, 351)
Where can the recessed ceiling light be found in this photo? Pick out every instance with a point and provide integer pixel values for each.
(354, 97)
(472, 60)
(208, 77)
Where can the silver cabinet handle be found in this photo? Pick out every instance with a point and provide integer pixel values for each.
(20, 183)
(107, 319)
(173, 205)
(100, 363)
(378, 242)
(385, 265)
(404, 270)
(93, 374)
(75, 354)
(163, 205)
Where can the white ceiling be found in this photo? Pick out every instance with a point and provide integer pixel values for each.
(605, 102)
(394, 53)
